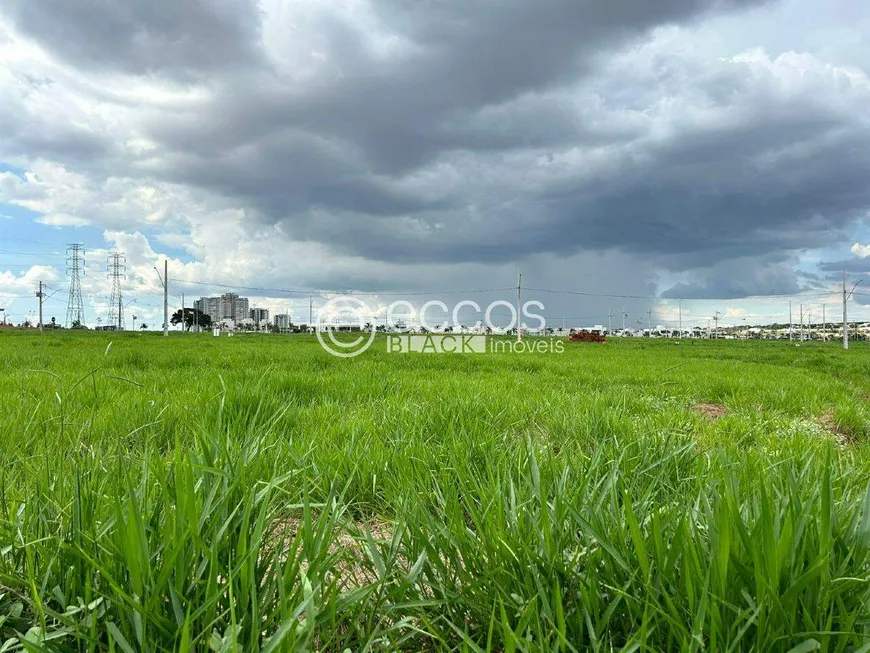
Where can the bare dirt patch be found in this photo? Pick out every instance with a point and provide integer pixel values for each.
(710, 411)
(353, 565)
(828, 422)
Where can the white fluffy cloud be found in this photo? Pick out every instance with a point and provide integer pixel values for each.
(861, 251)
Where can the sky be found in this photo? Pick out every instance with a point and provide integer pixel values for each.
(681, 157)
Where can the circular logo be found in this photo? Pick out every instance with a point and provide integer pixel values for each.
(344, 313)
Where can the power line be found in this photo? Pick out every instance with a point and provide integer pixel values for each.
(21, 265)
(29, 241)
(39, 255)
(660, 298)
(307, 291)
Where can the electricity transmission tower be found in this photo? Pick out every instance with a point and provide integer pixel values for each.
(75, 266)
(117, 267)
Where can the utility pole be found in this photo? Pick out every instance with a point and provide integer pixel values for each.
(166, 298)
(801, 330)
(845, 318)
(649, 320)
(681, 319)
(624, 315)
(789, 316)
(824, 325)
(164, 280)
(610, 323)
(519, 310)
(310, 310)
(40, 295)
(716, 328)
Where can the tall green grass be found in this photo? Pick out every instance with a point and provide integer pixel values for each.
(255, 494)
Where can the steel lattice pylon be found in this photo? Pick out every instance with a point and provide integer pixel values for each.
(75, 266)
(117, 268)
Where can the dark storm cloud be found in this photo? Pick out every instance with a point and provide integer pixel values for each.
(20, 139)
(851, 266)
(712, 199)
(373, 150)
(686, 206)
(143, 36)
(296, 172)
(743, 277)
(855, 269)
(463, 56)
(493, 131)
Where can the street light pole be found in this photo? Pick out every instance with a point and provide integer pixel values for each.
(165, 281)
(519, 310)
(845, 317)
(681, 319)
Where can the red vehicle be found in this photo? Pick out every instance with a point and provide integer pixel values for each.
(586, 336)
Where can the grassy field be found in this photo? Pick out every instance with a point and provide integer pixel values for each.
(253, 493)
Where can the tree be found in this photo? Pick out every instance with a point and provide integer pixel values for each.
(191, 316)
(143, 326)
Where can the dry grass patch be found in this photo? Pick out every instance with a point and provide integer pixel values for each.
(709, 410)
(348, 544)
(828, 422)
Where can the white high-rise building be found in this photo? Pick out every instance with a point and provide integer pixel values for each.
(234, 308)
(229, 308)
(211, 306)
(282, 321)
(260, 316)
